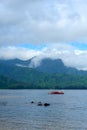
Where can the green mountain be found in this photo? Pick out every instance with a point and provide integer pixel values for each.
(47, 65)
(57, 66)
(51, 74)
(9, 83)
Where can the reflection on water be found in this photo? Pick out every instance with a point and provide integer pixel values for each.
(66, 112)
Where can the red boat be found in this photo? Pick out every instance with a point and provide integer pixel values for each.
(57, 92)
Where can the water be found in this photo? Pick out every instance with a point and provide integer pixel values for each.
(66, 112)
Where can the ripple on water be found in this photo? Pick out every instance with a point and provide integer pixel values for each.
(66, 112)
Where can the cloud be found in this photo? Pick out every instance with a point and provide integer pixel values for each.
(17, 52)
(56, 23)
(28, 21)
(70, 55)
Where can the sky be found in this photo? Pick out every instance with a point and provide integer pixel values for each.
(44, 28)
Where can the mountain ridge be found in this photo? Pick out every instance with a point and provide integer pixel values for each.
(39, 78)
(46, 65)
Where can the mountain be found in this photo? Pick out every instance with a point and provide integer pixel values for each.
(16, 62)
(47, 65)
(54, 66)
(50, 74)
(23, 74)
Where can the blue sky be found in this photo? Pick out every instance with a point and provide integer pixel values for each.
(80, 46)
(32, 46)
(46, 28)
(77, 45)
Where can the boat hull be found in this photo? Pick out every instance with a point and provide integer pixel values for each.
(57, 92)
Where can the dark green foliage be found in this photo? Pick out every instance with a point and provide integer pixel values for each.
(14, 77)
(8, 83)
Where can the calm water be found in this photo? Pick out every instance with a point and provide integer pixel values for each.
(66, 112)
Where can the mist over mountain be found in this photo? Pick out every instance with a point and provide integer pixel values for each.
(46, 65)
(49, 74)
(16, 62)
(53, 66)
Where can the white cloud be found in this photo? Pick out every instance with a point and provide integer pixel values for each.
(17, 52)
(42, 21)
(70, 56)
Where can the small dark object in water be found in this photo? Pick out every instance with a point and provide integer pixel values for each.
(32, 101)
(3, 103)
(46, 104)
(39, 104)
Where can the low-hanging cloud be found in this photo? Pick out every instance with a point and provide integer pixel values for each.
(17, 52)
(70, 55)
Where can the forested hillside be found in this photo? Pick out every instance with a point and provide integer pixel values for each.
(22, 77)
(12, 76)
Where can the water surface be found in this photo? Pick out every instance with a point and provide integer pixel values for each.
(66, 112)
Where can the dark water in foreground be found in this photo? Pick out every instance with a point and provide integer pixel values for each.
(66, 112)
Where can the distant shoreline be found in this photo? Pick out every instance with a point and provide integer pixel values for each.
(40, 89)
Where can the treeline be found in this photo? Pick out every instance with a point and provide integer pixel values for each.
(43, 81)
(13, 77)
